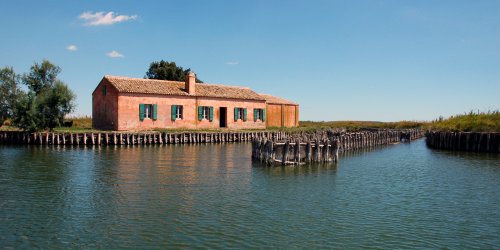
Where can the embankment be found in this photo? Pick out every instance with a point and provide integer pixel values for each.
(464, 141)
(136, 138)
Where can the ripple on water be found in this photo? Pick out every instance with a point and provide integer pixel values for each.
(400, 196)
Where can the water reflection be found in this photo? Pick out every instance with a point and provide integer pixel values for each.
(193, 196)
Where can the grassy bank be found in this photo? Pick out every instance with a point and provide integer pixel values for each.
(469, 122)
(357, 125)
(84, 124)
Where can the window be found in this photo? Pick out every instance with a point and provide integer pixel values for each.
(148, 111)
(259, 114)
(240, 113)
(177, 112)
(205, 112)
(103, 89)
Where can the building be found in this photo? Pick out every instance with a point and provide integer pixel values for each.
(281, 112)
(122, 103)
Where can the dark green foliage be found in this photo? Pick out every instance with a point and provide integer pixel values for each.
(41, 76)
(9, 92)
(164, 70)
(47, 101)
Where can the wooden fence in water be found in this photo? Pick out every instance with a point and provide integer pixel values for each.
(136, 138)
(324, 147)
(464, 141)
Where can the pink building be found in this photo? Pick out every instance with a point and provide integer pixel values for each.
(122, 103)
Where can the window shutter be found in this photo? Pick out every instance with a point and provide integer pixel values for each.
(235, 114)
(103, 89)
(245, 114)
(263, 115)
(254, 115)
(155, 112)
(200, 113)
(173, 112)
(211, 115)
(141, 112)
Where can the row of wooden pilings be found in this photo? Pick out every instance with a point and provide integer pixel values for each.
(139, 138)
(464, 141)
(325, 146)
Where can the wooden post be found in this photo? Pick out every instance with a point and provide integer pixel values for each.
(326, 157)
(270, 153)
(296, 156)
(286, 148)
(308, 151)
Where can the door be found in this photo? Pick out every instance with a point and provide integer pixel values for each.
(223, 117)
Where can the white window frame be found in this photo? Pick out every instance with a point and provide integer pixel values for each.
(148, 111)
(179, 111)
(206, 112)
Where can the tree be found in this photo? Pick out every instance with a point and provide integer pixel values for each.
(9, 92)
(41, 76)
(164, 70)
(47, 101)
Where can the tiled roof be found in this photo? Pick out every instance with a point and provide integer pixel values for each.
(277, 100)
(162, 87)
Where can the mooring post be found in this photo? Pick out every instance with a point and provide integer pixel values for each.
(286, 148)
(296, 156)
(308, 151)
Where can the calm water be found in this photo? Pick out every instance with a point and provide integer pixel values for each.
(400, 196)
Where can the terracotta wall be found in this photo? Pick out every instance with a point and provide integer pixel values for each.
(128, 112)
(282, 115)
(104, 107)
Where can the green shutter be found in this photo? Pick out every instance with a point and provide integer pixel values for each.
(254, 115)
(103, 89)
(141, 112)
(200, 113)
(155, 112)
(236, 114)
(173, 111)
(244, 114)
(263, 115)
(211, 115)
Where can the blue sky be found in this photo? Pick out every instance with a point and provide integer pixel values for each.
(340, 60)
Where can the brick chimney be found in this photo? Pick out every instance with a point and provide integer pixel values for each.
(191, 83)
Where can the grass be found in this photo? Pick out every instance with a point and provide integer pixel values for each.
(84, 124)
(469, 122)
(358, 125)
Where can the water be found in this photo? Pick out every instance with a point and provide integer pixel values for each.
(400, 196)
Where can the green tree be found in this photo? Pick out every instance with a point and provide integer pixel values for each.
(164, 70)
(47, 101)
(9, 92)
(41, 76)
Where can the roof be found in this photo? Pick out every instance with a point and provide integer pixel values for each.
(277, 100)
(162, 87)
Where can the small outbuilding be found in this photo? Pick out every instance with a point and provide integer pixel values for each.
(123, 103)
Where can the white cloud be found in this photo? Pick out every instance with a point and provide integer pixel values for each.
(101, 18)
(115, 54)
(72, 47)
(232, 63)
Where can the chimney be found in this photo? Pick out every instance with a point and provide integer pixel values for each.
(190, 83)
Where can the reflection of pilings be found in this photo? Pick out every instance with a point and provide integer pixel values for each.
(324, 147)
(464, 141)
(137, 138)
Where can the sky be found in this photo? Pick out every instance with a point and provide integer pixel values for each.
(373, 60)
